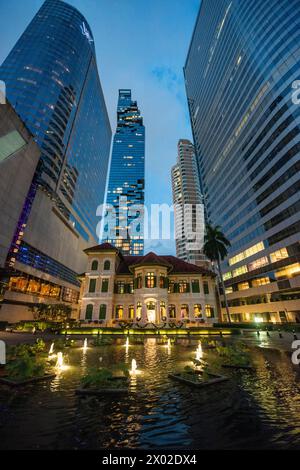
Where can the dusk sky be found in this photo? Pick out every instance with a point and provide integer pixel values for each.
(141, 45)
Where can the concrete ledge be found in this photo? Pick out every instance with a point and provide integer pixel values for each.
(12, 383)
(215, 379)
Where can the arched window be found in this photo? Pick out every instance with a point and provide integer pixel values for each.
(172, 311)
(107, 265)
(131, 312)
(197, 311)
(102, 312)
(138, 311)
(184, 311)
(119, 312)
(95, 265)
(163, 314)
(89, 312)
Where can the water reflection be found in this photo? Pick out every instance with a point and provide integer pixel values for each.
(259, 409)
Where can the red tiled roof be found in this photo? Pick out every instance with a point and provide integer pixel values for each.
(151, 258)
(102, 247)
(175, 265)
(182, 267)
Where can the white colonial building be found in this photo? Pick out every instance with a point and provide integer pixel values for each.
(144, 290)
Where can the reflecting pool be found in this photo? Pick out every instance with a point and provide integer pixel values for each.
(258, 409)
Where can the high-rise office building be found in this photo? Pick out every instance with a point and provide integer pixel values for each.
(241, 65)
(52, 82)
(188, 205)
(126, 183)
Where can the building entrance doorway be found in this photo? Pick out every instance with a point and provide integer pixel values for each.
(151, 312)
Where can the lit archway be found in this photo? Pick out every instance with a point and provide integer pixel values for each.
(151, 311)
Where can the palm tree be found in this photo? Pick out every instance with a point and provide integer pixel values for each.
(215, 248)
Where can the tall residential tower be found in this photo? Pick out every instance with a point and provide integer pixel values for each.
(188, 205)
(125, 194)
(52, 82)
(240, 70)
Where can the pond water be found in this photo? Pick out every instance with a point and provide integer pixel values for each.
(259, 409)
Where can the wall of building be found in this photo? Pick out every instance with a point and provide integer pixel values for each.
(144, 296)
(16, 173)
(50, 233)
(240, 68)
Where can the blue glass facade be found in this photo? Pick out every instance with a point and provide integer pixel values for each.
(242, 62)
(52, 82)
(127, 174)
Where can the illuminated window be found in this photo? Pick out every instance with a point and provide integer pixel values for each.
(33, 286)
(119, 312)
(162, 281)
(278, 255)
(131, 312)
(228, 290)
(138, 311)
(18, 283)
(45, 290)
(55, 291)
(243, 286)
(184, 311)
(163, 312)
(209, 311)
(247, 253)
(260, 281)
(171, 288)
(172, 311)
(198, 311)
(138, 282)
(120, 287)
(184, 287)
(258, 263)
(289, 271)
(150, 281)
(227, 275)
(89, 312)
(239, 271)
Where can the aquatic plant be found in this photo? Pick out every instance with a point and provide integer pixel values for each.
(25, 367)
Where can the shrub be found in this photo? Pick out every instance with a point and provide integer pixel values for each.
(104, 377)
(25, 367)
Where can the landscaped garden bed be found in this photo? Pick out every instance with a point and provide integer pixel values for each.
(26, 364)
(197, 378)
(102, 381)
(235, 356)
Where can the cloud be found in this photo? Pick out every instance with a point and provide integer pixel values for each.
(168, 78)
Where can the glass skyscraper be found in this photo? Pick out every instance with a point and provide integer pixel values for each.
(127, 178)
(242, 62)
(188, 205)
(52, 82)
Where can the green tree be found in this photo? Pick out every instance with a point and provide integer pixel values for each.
(52, 312)
(216, 249)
